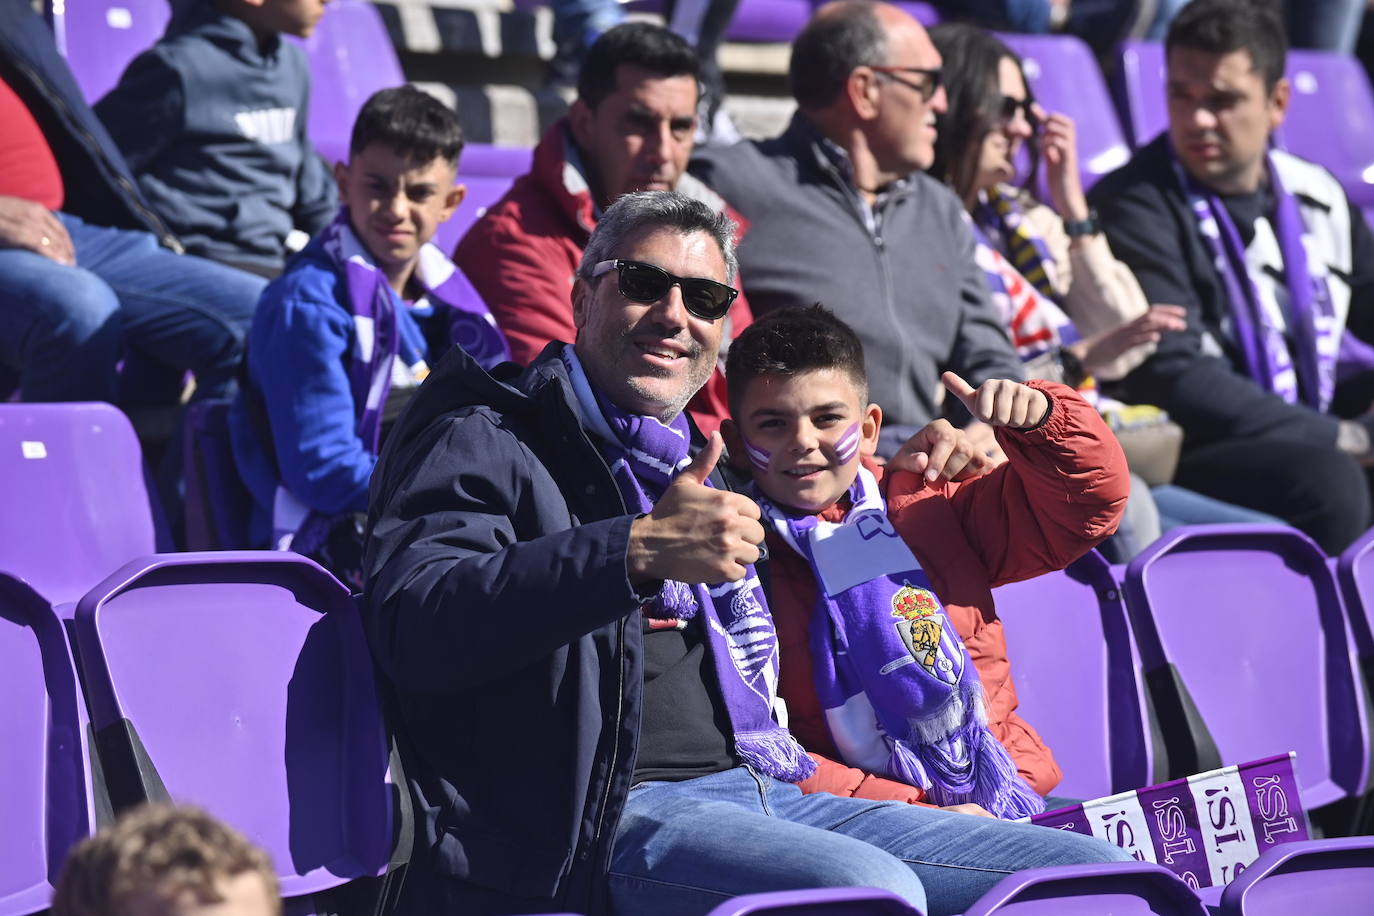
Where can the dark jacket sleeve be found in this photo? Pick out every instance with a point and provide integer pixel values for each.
(1360, 321)
(1202, 392)
(463, 587)
(144, 113)
(1061, 491)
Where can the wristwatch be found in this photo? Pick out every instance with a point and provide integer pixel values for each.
(1081, 227)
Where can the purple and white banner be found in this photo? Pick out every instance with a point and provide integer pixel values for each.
(1207, 828)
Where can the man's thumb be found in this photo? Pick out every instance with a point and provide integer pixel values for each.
(705, 460)
(959, 388)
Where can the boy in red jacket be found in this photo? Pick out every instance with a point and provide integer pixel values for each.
(893, 659)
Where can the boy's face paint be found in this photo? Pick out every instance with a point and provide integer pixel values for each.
(805, 434)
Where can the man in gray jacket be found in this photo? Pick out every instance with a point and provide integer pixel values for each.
(840, 211)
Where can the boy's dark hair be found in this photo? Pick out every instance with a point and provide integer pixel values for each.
(791, 341)
(971, 57)
(156, 852)
(663, 53)
(1223, 26)
(412, 122)
(828, 49)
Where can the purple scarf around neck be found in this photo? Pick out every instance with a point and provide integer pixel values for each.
(1306, 370)
(645, 455)
(999, 212)
(901, 696)
(377, 342)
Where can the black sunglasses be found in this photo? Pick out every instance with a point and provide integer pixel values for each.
(927, 88)
(1009, 107)
(640, 282)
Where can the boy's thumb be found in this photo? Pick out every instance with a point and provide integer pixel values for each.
(959, 388)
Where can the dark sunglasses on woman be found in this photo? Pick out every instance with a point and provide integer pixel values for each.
(1026, 106)
(640, 282)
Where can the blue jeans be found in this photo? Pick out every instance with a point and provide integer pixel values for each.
(683, 847)
(1179, 506)
(65, 328)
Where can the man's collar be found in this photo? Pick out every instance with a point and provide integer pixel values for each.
(830, 157)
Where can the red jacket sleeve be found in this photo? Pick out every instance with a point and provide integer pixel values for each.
(1061, 492)
(525, 279)
(838, 779)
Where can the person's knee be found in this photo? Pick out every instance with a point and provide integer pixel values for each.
(1070, 848)
(871, 867)
(81, 309)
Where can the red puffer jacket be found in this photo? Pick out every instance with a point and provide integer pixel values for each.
(1061, 492)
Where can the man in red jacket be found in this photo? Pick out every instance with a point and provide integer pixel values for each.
(630, 129)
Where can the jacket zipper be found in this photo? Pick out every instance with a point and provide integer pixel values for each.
(131, 195)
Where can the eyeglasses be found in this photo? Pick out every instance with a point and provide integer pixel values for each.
(927, 88)
(1010, 106)
(640, 282)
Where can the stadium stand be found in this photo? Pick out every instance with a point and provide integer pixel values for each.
(1317, 876)
(99, 37)
(1084, 660)
(1123, 889)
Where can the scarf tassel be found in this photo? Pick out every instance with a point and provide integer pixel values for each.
(775, 753)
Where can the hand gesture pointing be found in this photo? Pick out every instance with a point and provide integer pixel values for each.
(1000, 402)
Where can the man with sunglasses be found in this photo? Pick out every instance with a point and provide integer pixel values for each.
(841, 212)
(563, 595)
(630, 129)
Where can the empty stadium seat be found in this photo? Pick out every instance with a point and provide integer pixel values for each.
(1077, 677)
(1117, 888)
(1064, 76)
(99, 38)
(485, 160)
(351, 57)
(1242, 637)
(241, 682)
(1138, 86)
(829, 901)
(45, 795)
(1331, 118)
(75, 503)
(483, 191)
(218, 504)
(1314, 876)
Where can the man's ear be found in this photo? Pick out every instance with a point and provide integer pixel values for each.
(868, 432)
(452, 199)
(861, 89)
(580, 119)
(581, 301)
(341, 178)
(1278, 102)
(734, 445)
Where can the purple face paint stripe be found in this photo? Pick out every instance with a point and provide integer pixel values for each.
(848, 445)
(758, 457)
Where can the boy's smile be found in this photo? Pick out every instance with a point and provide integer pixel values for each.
(805, 434)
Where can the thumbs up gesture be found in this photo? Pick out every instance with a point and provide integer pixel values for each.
(1000, 402)
(695, 533)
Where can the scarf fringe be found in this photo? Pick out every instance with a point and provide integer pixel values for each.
(775, 753)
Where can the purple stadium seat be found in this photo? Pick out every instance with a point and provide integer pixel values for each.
(75, 503)
(1314, 876)
(217, 502)
(1139, 90)
(1245, 622)
(45, 797)
(100, 38)
(1077, 677)
(768, 20)
(351, 57)
(487, 161)
(1118, 888)
(1331, 118)
(241, 682)
(1064, 76)
(828, 901)
(483, 191)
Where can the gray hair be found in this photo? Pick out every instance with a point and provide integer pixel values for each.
(644, 211)
(838, 39)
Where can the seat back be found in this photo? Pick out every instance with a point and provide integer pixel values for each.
(1064, 76)
(351, 56)
(1331, 118)
(45, 796)
(1244, 622)
(483, 191)
(1314, 876)
(99, 38)
(1119, 888)
(825, 901)
(1077, 677)
(241, 682)
(218, 505)
(1138, 86)
(72, 496)
(486, 160)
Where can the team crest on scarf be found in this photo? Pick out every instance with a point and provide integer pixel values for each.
(922, 628)
(753, 642)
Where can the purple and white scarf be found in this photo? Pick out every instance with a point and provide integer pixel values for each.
(901, 696)
(1000, 217)
(1036, 323)
(377, 345)
(1312, 328)
(645, 455)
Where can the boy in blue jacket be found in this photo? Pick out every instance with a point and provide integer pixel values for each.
(212, 121)
(362, 311)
